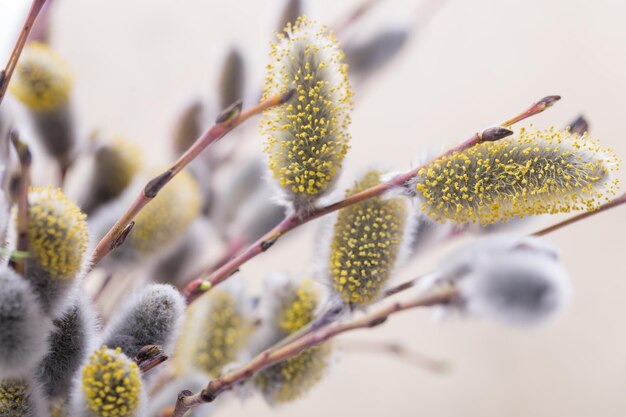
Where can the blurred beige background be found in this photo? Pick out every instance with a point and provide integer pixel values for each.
(475, 63)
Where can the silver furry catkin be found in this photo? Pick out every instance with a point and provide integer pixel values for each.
(23, 326)
(71, 341)
(231, 83)
(151, 318)
(513, 280)
(366, 57)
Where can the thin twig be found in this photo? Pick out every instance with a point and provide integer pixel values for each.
(604, 207)
(354, 15)
(187, 400)
(7, 73)
(227, 121)
(25, 158)
(396, 350)
(202, 284)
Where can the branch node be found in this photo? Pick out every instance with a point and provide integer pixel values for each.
(153, 187)
(208, 395)
(495, 133)
(121, 237)
(230, 112)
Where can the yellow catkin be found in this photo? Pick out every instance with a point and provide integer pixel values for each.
(14, 399)
(223, 333)
(57, 233)
(167, 217)
(290, 379)
(366, 242)
(308, 137)
(41, 80)
(111, 384)
(536, 172)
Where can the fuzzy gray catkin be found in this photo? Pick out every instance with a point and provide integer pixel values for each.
(370, 55)
(57, 241)
(23, 326)
(115, 164)
(514, 280)
(153, 317)
(232, 79)
(70, 342)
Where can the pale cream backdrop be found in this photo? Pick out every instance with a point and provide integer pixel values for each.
(475, 62)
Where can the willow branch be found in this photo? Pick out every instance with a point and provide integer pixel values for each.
(227, 121)
(187, 400)
(202, 284)
(604, 207)
(25, 158)
(7, 72)
(396, 350)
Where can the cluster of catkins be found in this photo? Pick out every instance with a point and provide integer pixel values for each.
(57, 358)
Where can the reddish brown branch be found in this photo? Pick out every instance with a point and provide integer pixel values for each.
(7, 73)
(187, 400)
(202, 284)
(604, 207)
(227, 121)
(25, 158)
(398, 351)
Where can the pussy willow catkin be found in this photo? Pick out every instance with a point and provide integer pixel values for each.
(366, 241)
(167, 217)
(57, 241)
(42, 80)
(292, 378)
(111, 385)
(308, 137)
(535, 172)
(215, 333)
(16, 399)
(57, 233)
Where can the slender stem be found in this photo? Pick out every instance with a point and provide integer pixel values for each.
(25, 158)
(356, 14)
(398, 351)
(227, 121)
(333, 311)
(187, 400)
(604, 207)
(198, 286)
(7, 73)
